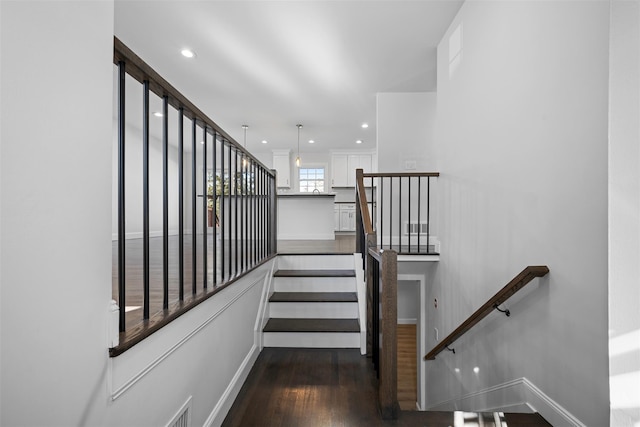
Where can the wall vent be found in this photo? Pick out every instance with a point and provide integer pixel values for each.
(412, 228)
(182, 418)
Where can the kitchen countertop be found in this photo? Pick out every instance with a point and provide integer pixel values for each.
(316, 195)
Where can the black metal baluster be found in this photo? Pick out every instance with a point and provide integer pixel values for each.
(419, 181)
(222, 221)
(255, 216)
(214, 176)
(235, 187)
(121, 193)
(194, 219)
(390, 212)
(165, 202)
(145, 198)
(230, 217)
(205, 207)
(240, 239)
(409, 216)
(381, 211)
(181, 202)
(428, 200)
(399, 214)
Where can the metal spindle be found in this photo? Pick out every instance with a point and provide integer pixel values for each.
(165, 202)
(400, 214)
(205, 207)
(390, 211)
(145, 198)
(181, 202)
(214, 212)
(241, 239)
(235, 187)
(428, 200)
(222, 221)
(419, 181)
(193, 208)
(381, 211)
(409, 217)
(230, 217)
(121, 199)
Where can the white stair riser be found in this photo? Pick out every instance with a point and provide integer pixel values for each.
(312, 339)
(314, 310)
(315, 262)
(314, 284)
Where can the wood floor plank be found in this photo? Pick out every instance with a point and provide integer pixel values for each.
(314, 273)
(311, 325)
(314, 297)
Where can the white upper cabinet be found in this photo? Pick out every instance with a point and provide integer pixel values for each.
(282, 164)
(339, 170)
(344, 165)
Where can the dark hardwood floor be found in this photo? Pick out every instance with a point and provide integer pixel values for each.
(331, 387)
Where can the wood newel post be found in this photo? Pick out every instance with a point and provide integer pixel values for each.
(369, 277)
(389, 407)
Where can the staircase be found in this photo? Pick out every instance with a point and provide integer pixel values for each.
(314, 303)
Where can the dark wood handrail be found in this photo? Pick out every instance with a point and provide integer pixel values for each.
(399, 174)
(517, 283)
(361, 199)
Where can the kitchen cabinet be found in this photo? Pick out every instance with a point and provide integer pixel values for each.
(336, 218)
(339, 170)
(282, 164)
(347, 217)
(344, 165)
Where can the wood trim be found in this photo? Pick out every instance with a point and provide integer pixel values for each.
(141, 71)
(361, 199)
(399, 174)
(388, 390)
(517, 283)
(133, 336)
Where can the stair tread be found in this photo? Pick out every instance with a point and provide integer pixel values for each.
(312, 325)
(315, 273)
(314, 297)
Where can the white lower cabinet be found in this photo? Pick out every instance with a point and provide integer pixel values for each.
(345, 217)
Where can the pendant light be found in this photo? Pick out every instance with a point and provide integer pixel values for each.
(299, 126)
(244, 157)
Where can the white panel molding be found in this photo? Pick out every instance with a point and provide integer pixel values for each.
(219, 412)
(263, 310)
(525, 394)
(115, 394)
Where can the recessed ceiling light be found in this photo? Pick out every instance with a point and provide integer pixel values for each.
(365, 125)
(359, 141)
(188, 53)
(157, 113)
(202, 142)
(311, 141)
(264, 141)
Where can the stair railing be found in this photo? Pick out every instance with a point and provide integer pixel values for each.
(517, 283)
(381, 275)
(234, 195)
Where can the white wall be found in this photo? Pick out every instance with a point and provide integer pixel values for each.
(405, 125)
(522, 152)
(55, 249)
(624, 213)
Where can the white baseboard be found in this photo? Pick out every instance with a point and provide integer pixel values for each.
(524, 397)
(157, 233)
(220, 411)
(407, 321)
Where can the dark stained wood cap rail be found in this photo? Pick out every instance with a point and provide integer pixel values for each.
(517, 283)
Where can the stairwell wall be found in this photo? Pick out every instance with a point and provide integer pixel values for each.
(521, 145)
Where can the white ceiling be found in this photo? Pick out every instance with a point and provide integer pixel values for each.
(273, 64)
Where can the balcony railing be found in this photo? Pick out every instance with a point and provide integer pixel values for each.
(195, 211)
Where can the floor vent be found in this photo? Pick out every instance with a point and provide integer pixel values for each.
(183, 417)
(412, 228)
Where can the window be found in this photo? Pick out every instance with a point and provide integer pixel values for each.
(311, 179)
